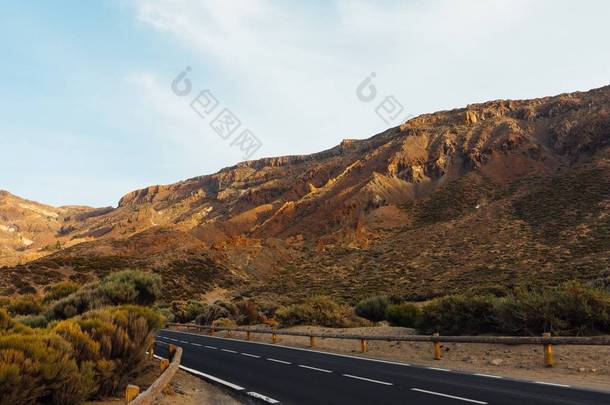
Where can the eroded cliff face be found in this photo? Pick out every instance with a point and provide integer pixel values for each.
(426, 177)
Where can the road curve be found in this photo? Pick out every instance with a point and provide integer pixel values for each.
(278, 374)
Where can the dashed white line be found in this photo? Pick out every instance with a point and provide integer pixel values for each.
(315, 368)
(553, 384)
(437, 369)
(367, 379)
(278, 361)
(488, 375)
(228, 351)
(183, 341)
(251, 355)
(449, 396)
(196, 344)
(211, 347)
(263, 397)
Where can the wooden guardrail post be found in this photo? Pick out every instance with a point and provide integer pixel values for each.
(164, 364)
(212, 331)
(274, 337)
(131, 392)
(172, 350)
(247, 335)
(363, 345)
(548, 352)
(437, 348)
(312, 341)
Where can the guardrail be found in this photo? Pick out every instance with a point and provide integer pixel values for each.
(148, 397)
(546, 340)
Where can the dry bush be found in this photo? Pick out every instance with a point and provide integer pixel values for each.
(60, 290)
(28, 304)
(320, 311)
(373, 309)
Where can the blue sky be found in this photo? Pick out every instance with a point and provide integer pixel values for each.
(87, 113)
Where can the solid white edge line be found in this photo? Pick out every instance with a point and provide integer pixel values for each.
(437, 369)
(278, 361)
(263, 397)
(228, 351)
(449, 396)
(487, 375)
(315, 368)
(367, 379)
(553, 384)
(212, 378)
(251, 355)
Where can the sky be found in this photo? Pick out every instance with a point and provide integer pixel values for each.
(92, 105)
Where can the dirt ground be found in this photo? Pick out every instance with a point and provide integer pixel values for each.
(582, 366)
(191, 390)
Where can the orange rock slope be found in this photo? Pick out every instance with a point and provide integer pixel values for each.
(487, 196)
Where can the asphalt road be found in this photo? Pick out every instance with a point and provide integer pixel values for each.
(299, 376)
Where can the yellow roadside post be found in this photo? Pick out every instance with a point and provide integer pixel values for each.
(172, 350)
(312, 341)
(437, 348)
(212, 331)
(548, 351)
(363, 345)
(274, 337)
(131, 392)
(151, 350)
(164, 364)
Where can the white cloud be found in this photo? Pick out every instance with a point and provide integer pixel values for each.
(297, 65)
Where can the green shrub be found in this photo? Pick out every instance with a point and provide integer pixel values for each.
(187, 311)
(321, 311)
(26, 305)
(571, 309)
(41, 369)
(373, 309)
(60, 290)
(33, 321)
(458, 315)
(404, 314)
(83, 300)
(131, 287)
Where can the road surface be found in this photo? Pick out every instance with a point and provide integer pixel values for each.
(286, 375)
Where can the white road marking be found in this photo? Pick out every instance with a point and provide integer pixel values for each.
(449, 396)
(437, 369)
(263, 397)
(228, 351)
(279, 361)
(251, 355)
(196, 344)
(212, 378)
(185, 342)
(488, 375)
(315, 368)
(367, 379)
(553, 384)
(211, 347)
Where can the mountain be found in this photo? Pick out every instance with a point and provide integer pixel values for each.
(489, 196)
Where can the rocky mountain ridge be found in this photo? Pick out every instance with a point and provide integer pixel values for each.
(391, 210)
